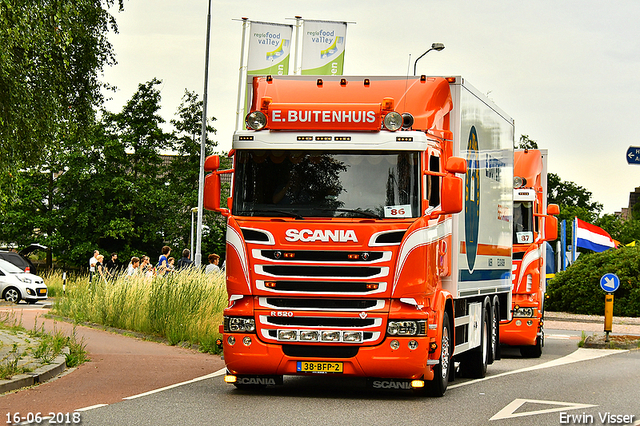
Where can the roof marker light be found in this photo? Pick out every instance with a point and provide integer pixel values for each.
(319, 82)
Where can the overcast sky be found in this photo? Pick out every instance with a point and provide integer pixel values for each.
(568, 72)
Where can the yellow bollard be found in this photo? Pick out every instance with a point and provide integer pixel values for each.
(608, 314)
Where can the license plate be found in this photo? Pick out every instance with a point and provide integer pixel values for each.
(42, 291)
(319, 367)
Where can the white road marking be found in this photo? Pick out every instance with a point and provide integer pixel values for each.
(91, 407)
(197, 379)
(508, 412)
(582, 354)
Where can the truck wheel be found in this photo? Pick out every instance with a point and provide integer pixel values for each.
(438, 385)
(494, 352)
(534, 351)
(11, 294)
(474, 363)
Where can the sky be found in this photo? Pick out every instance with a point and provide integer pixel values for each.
(567, 71)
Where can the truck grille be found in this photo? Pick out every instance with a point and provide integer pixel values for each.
(322, 271)
(321, 304)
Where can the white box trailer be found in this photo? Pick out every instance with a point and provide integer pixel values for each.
(484, 135)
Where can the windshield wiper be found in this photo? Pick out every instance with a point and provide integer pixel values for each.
(358, 211)
(279, 212)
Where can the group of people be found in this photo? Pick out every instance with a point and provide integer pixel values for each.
(142, 265)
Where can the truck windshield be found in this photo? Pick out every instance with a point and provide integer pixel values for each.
(522, 222)
(380, 184)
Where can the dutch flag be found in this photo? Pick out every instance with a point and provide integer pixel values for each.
(591, 237)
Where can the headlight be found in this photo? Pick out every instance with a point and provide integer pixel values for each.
(407, 328)
(24, 279)
(256, 120)
(519, 312)
(239, 325)
(393, 121)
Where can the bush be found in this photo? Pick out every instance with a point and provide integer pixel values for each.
(577, 290)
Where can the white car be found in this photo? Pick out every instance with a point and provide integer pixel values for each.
(17, 285)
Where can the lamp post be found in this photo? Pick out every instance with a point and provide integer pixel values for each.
(198, 255)
(434, 46)
(193, 210)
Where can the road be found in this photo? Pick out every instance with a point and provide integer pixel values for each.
(564, 382)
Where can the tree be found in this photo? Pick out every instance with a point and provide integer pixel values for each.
(526, 143)
(183, 175)
(52, 54)
(573, 199)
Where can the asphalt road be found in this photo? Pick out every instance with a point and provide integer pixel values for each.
(154, 384)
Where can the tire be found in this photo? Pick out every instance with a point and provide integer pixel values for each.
(534, 351)
(438, 386)
(474, 363)
(494, 352)
(11, 294)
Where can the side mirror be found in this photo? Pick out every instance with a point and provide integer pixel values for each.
(550, 228)
(553, 209)
(452, 194)
(212, 193)
(456, 165)
(212, 163)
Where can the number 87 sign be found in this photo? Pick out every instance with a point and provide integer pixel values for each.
(403, 210)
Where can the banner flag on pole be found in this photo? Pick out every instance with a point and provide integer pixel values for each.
(592, 237)
(269, 48)
(323, 45)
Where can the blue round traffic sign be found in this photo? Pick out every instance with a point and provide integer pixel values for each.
(609, 282)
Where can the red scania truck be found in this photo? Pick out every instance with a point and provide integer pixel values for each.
(533, 225)
(368, 231)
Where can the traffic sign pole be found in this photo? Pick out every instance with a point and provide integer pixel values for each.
(608, 314)
(609, 283)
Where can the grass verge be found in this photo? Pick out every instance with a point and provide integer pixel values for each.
(183, 307)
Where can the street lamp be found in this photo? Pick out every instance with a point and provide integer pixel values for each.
(434, 46)
(193, 210)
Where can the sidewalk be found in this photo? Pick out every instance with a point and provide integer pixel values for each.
(41, 372)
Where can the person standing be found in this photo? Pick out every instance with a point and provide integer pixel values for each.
(185, 261)
(212, 267)
(92, 264)
(163, 262)
(111, 266)
(133, 267)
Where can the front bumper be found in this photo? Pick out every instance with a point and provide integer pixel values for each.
(520, 331)
(259, 358)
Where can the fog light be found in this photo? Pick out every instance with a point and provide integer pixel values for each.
(287, 335)
(529, 323)
(231, 340)
(413, 344)
(247, 341)
(417, 383)
(518, 323)
(31, 292)
(230, 379)
(309, 336)
(330, 336)
(394, 344)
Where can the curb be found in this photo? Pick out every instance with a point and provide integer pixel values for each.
(39, 375)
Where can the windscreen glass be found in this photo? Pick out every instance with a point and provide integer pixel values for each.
(522, 222)
(380, 184)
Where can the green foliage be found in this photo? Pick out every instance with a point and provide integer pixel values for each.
(112, 191)
(525, 143)
(52, 54)
(577, 289)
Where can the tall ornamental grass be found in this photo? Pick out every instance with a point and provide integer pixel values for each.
(183, 307)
